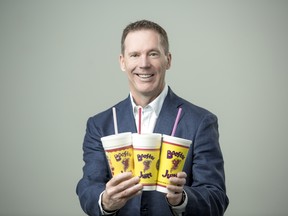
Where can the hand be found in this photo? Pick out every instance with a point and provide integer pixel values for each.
(119, 190)
(175, 189)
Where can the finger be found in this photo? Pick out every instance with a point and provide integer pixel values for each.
(174, 189)
(119, 200)
(114, 197)
(122, 186)
(131, 191)
(174, 196)
(130, 183)
(181, 175)
(116, 180)
(177, 181)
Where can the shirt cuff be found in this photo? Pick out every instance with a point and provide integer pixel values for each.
(179, 209)
(103, 212)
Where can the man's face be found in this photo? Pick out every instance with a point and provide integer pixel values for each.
(145, 63)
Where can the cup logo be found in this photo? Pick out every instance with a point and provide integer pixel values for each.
(147, 164)
(120, 160)
(171, 154)
(125, 163)
(175, 164)
(140, 157)
(124, 154)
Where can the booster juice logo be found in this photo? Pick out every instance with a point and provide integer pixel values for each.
(145, 176)
(140, 157)
(176, 157)
(171, 154)
(124, 154)
(168, 175)
(147, 161)
(125, 163)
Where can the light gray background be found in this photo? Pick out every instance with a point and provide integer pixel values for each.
(59, 65)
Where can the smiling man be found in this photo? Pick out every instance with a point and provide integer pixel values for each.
(200, 188)
(145, 61)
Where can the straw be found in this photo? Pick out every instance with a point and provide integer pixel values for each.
(140, 117)
(115, 120)
(176, 121)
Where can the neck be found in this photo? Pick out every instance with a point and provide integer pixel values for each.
(142, 100)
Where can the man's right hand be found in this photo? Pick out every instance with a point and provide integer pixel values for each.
(119, 190)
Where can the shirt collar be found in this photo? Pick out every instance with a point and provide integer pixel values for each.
(156, 104)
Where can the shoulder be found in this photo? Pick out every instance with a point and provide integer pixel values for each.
(108, 112)
(198, 117)
(102, 120)
(188, 107)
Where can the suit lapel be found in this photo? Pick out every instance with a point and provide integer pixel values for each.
(168, 113)
(125, 117)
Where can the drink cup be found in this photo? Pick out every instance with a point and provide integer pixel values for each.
(119, 152)
(174, 151)
(146, 148)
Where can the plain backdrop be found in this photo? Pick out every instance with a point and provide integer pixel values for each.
(59, 66)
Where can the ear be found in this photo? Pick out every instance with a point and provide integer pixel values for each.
(169, 59)
(121, 62)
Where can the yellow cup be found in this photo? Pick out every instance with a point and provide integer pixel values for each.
(146, 148)
(119, 152)
(173, 155)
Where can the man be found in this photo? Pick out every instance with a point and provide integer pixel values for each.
(200, 188)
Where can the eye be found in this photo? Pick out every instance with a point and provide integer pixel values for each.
(134, 55)
(154, 54)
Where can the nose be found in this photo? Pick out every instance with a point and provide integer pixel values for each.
(144, 61)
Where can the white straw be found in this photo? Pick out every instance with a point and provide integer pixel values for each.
(115, 120)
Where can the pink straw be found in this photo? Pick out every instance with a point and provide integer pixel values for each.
(115, 120)
(176, 121)
(140, 117)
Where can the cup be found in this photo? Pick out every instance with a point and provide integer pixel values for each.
(174, 151)
(146, 148)
(119, 152)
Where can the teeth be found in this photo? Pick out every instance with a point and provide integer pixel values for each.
(144, 75)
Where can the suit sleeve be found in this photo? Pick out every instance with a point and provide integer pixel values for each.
(206, 192)
(95, 171)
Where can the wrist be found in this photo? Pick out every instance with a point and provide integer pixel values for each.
(102, 208)
(183, 199)
(181, 202)
(107, 212)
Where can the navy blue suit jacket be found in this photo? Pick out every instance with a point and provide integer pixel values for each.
(205, 186)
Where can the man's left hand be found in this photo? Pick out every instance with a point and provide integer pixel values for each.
(175, 189)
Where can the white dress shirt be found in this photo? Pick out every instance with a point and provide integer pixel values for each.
(150, 113)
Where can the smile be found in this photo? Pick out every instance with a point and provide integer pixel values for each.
(145, 76)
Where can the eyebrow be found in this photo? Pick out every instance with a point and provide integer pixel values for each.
(149, 51)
